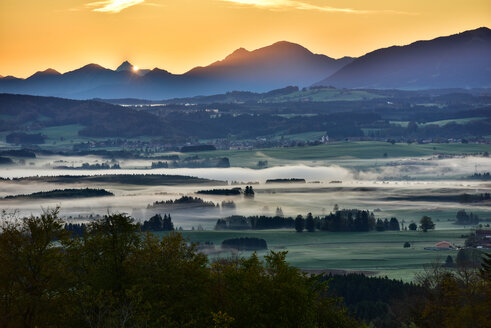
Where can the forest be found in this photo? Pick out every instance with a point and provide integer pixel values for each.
(116, 276)
(184, 202)
(63, 193)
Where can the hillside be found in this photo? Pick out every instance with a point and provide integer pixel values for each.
(461, 60)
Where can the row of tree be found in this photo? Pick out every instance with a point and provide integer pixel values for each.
(464, 218)
(239, 222)
(342, 220)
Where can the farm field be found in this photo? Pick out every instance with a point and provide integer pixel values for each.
(340, 150)
(324, 95)
(381, 253)
(441, 122)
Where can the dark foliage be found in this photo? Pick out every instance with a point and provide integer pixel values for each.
(76, 229)
(249, 192)
(221, 192)
(64, 193)
(157, 223)
(185, 202)
(347, 220)
(245, 244)
(6, 161)
(25, 153)
(131, 179)
(464, 218)
(239, 222)
(87, 166)
(372, 299)
(116, 276)
(291, 180)
(160, 165)
(197, 148)
(25, 138)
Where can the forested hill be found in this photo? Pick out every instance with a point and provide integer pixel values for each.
(98, 118)
(25, 119)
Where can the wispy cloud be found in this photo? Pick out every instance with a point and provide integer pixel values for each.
(113, 6)
(302, 5)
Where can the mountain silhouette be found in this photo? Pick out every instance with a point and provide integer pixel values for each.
(125, 66)
(275, 66)
(458, 61)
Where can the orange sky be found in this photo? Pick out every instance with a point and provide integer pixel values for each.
(177, 35)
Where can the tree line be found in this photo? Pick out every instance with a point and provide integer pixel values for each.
(346, 220)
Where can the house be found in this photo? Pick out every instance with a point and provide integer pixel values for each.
(483, 238)
(443, 245)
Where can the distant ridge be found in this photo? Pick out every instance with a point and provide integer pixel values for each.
(47, 72)
(272, 66)
(458, 61)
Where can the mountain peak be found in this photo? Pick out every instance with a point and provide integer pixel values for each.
(238, 54)
(50, 71)
(286, 45)
(92, 67)
(47, 72)
(125, 66)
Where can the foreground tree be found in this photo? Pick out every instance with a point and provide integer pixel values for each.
(453, 298)
(116, 276)
(33, 278)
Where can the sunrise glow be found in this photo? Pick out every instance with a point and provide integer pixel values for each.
(179, 35)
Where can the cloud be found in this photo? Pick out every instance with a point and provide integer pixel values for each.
(113, 6)
(302, 5)
(292, 4)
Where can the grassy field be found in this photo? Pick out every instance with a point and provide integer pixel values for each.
(324, 94)
(379, 252)
(442, 122)
(65, 136)
(307, 136)
(340, 150)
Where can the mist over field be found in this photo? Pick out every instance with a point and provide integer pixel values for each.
(350, 183)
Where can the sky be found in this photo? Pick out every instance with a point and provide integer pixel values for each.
(178, 35)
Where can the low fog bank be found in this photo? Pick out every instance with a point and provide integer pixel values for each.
(349, 169)
(293, 199)
(363, 184)
(321, 173)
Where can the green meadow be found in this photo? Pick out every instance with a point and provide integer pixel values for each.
(323, 95)
(341, 150)
(380, 253)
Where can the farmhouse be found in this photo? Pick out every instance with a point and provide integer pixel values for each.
(483, 238)
(443, 245)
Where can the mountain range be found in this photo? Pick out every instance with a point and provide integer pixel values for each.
(458, 61)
